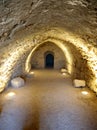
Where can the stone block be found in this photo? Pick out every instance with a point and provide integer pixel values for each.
(30, 75)
(79, 83)
(17, 82)
(63, 71)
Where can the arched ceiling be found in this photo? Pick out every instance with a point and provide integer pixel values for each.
(58, 43)
(28, 23)
(30, 16)
(20, 49)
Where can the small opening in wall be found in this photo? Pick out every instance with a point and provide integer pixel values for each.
(49, 60)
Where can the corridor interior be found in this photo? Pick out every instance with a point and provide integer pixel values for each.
(48, 101)
(39, 39)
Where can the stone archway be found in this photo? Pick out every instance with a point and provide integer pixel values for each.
(49, 60)
(19, 51)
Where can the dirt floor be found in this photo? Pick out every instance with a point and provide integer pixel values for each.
(48, 101)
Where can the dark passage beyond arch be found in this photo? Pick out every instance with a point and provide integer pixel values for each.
(49, 61)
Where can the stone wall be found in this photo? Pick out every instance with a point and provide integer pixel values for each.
(71, 24)
(76, 16)
(38, 58)
(13, 56)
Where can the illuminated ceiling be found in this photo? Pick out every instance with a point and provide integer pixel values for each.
(25, 25)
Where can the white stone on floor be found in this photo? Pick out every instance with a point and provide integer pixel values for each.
(63, 70)
(79, 83)
(30, 74)
(17, 82)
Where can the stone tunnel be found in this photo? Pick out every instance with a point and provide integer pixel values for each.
(48, 36)
(69, 25)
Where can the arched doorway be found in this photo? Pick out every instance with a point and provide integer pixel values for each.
(49, 60)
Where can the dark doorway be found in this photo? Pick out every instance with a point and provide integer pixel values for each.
(49, 61)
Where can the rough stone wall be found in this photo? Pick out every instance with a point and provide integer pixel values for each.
(78, 64)
(24, 24)
(18, 49)
(38, 58)
(77, 16)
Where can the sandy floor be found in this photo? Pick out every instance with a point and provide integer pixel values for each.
(48, 102)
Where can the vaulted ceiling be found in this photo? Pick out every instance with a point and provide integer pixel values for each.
(70, 24)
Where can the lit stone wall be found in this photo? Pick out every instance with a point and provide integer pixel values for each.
(14, 55)
(72, 25)
(38, 58)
